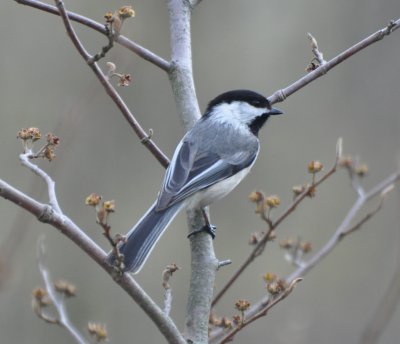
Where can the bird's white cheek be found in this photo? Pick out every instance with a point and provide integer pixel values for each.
(216, 191)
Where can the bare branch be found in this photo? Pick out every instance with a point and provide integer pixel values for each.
(70, 31)
(282, 94)
(140, 132)
(345, 225)
(203, 261)
(258, 249)
(166, 275)
(278, 96)
(318, 56)
(79, 237)
(272, 301)
(124, 41)
(380, 189)
(336, 238)
(24, 158)
(57, 300)
(181, 73)
(365, 219)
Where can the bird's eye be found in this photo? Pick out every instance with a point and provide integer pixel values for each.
(256, 103)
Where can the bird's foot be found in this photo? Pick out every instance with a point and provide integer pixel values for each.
(209, 228)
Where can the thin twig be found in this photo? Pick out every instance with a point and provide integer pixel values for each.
(105, 49)
(71, 32)
(282, 94)
(124, 41)
(57, 300)
(365, 219)
(140, 132)
(318, 56)
(24, 158)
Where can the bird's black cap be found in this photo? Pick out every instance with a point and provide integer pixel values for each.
(251, 97)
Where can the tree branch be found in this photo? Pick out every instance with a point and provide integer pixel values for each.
(67, 227)
(282, 94)
(181, 73)
(57, 301)
(272, 301)
(124, 41)
(379, 189)
(273, 225)
(24, 158)
(203, 261)
(140, 132)
(345, 225)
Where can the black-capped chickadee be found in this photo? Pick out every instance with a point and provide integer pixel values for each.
(209, 162)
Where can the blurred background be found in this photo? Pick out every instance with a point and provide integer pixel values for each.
(255, 44)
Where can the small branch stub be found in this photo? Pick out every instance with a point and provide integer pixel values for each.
(223, 263)
(166, 275)
(318, 59)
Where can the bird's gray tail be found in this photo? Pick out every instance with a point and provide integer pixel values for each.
(142, 238)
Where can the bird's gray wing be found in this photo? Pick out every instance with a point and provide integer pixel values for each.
(192, 170)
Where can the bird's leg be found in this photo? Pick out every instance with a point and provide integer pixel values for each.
(208, 227)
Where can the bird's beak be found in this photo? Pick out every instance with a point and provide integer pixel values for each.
(275, 111)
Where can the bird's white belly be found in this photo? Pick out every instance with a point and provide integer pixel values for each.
(216, 191)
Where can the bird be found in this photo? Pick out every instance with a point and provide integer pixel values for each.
(208, 163)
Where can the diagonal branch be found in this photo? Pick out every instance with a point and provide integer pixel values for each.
(282, 94)
(67, 227)
(140, 132)
(124, 41)
(273, 225)
(345, 225)
(380, 189)
(272, 301)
